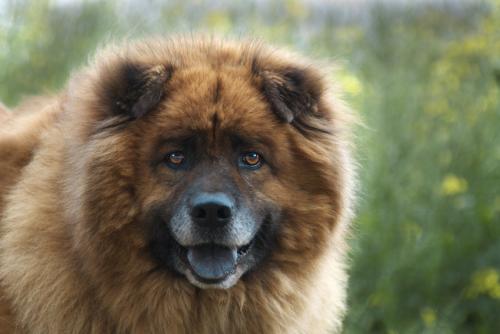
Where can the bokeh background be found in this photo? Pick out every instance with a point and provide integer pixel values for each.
(424, 77)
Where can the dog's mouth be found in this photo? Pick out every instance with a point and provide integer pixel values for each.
(213, 263)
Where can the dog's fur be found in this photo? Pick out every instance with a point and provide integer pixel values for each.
(75, 187)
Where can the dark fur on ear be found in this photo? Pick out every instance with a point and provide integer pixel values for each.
(134, 89)
(292, 92)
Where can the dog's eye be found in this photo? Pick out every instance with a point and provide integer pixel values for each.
(175, 159)
(251, 160)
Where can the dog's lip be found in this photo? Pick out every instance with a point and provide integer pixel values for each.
(241, 251)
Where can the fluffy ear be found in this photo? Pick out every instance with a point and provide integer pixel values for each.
(133, 89)
(292, 92)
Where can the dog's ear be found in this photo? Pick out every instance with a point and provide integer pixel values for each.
(292, 92)
(132, 89)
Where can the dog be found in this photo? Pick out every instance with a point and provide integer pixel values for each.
(178, 185)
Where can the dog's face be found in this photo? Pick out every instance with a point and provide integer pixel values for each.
(212, 166)
(207, 171)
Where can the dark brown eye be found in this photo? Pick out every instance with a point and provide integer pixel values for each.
(251, 160)
(175, 159)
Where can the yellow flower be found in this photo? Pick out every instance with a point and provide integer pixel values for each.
(453, 185)
(495, 292)
(351, 84)
(428, 315)
(296, 9)
(438, 107)
(219, 21)
(485, 281)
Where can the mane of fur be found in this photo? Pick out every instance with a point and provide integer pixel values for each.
(49, 285)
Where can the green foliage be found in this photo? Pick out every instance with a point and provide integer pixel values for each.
(426, 81)
(43, 43)
(430, 220)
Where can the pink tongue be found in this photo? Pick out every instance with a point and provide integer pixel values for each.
(211, 261)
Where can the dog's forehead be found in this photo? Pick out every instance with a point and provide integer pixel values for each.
(202, 99)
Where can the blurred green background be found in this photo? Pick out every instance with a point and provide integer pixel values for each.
(425, 78)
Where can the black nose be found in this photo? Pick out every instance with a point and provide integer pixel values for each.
(211, 209)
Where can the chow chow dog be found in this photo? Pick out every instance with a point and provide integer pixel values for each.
(181, 185)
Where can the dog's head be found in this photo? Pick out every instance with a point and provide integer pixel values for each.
(206, 161)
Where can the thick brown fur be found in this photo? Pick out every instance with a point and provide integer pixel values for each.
(75, 184)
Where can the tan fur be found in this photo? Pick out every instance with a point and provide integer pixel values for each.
(63, 272)
(4, 113)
